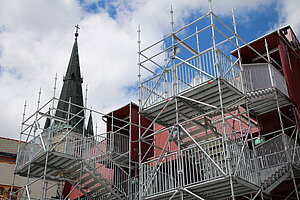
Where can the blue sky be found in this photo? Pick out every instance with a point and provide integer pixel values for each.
(36, 39)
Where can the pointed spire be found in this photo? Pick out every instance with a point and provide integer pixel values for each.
(73, 71)
(48, 121)
(90, 128)
(72, 91)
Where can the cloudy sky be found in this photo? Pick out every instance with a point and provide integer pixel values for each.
(36, 38)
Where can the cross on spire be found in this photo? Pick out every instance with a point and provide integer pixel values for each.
(77, 28)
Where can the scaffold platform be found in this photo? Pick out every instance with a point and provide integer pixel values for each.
(213, 189)
(265, 100)
(196, 101)
(56, 163)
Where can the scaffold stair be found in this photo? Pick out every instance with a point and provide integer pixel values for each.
(93, 181)
(121, 160)
(276, 178)
(98, 186)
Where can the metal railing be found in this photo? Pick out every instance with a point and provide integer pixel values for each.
(96, 151)
(60, 133)
(186, 75)
(29, 151)
(229, 70)
(198, 167)
(56, 139)
(160, 177)
(296, 155)
(105, 143)
(262, 76)
(133, 187)
(272, 154)
(96, 145)
(193, 166)
(241, 161)
(119, 141)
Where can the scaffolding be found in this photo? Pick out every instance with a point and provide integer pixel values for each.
(196, 135)
(207, 103)
(57, 155)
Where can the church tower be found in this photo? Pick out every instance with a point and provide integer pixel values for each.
(70, 106)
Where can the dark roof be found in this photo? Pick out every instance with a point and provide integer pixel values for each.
(124, 110)
(272, 38)
(72, 91)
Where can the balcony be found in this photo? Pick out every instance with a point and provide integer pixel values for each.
(62, 146)
(187, 75)
(261, 77)
(265, 87)
(193, 169)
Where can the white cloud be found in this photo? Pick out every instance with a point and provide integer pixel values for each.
(289, 14)
(34, 45)
(36, 41)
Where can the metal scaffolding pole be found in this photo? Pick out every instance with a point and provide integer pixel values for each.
(140, 183)
(130, 179)
(218, 75)
(19, 146)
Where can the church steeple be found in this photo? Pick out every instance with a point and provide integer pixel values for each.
(72, 92)
(90, 130)
(73, 71)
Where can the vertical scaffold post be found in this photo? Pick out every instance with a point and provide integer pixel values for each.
(83, 139)
(297, 134)
(175, 92)
(218, 76)
(18, 154)
(173, 49)
(271, 72)
(140, 183)
(45, 182)
(111, 134)
(199, 64)
(238, 51)
(129, 187)
(53, 99)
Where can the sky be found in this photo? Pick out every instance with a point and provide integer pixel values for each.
(36, 39)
